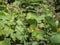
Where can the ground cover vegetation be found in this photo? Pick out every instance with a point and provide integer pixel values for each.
(29, 22)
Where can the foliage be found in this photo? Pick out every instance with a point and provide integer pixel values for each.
(32, 22)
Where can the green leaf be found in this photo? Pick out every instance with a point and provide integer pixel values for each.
(55, 38)
(5, 42)
(13, 36)
(3, 15)
(2, 7)
(31, 16)
(7, 31)
(1, 32)
(52, 23)
(19, 29)
(32, 22)
(38, 35)
(34, 43)
(19, 36)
